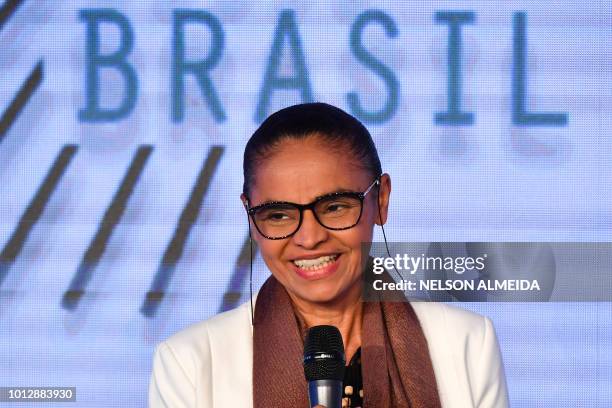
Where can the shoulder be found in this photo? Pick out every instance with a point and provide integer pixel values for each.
(196, 342)
(456, 330)
(184, 364)
(198, 335)
(455, 333)
(465, 353)
(440, 317)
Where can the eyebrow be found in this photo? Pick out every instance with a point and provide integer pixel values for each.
(340, 190)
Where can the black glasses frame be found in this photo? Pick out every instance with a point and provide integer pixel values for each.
(310, 206)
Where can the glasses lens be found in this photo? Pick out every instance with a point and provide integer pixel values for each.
(277, 220)
(339, 211)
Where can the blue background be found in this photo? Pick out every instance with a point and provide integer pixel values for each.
(512, 172)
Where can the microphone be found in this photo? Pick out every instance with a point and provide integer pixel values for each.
(324, 366)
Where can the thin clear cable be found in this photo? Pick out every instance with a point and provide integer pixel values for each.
(383, 230)
(251, 273)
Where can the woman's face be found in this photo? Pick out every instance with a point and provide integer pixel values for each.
(299, 171)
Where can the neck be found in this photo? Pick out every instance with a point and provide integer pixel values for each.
(345, 313)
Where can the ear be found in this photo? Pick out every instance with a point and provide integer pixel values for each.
(384, 192)
(245, 200)
(245, 203)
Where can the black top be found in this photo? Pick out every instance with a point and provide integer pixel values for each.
(352, 394)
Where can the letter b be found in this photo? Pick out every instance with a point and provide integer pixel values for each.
(93, 112)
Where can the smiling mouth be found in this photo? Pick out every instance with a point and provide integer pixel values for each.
(315, 264)
(317, 268)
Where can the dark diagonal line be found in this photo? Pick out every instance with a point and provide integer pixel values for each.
(181, 233)
(7, 10)
(239, 277)
(34, 211)
(19, 101)
(111, 218)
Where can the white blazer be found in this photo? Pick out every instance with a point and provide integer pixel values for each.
(210, 364)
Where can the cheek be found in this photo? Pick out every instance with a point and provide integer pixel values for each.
(368, 221)
(270, 250)
(357, 235)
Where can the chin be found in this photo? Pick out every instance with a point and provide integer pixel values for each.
(322, 292)
(327, 287)
(318, 299)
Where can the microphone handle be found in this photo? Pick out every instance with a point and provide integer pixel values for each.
(325, 392)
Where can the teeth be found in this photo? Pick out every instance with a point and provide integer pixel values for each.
(312, 264)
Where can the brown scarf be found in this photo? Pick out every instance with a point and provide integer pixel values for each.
(396, 368)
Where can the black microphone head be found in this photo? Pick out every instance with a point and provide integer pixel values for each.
(324, 354)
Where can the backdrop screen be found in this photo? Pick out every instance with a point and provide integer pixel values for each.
(123, 125)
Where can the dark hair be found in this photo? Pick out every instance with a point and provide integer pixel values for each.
(298, 122)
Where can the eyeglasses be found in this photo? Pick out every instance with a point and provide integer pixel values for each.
(334, 211)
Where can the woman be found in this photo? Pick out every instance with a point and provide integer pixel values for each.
(313, 191)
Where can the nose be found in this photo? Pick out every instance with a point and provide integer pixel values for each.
(311, 233)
